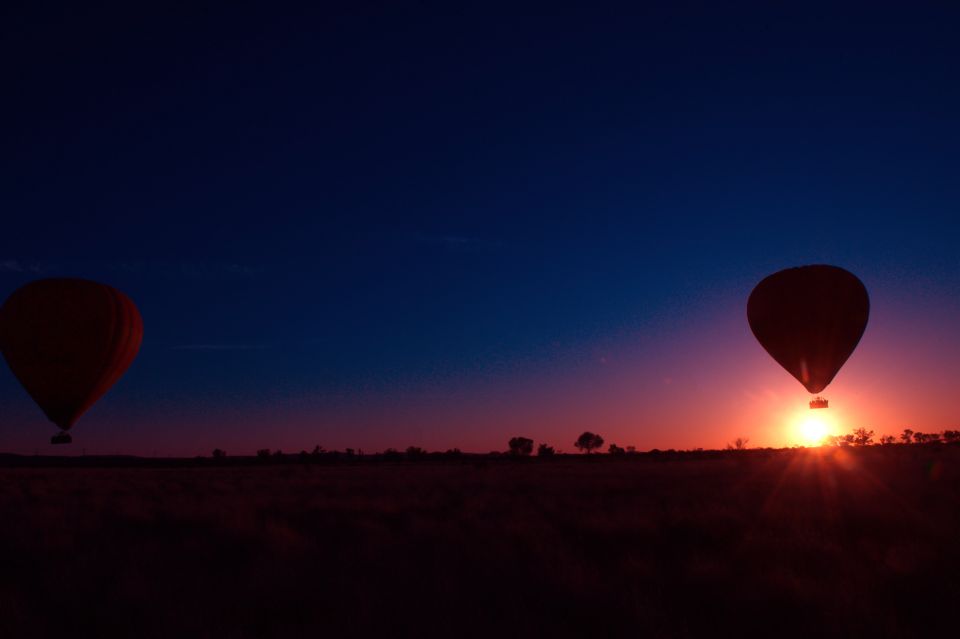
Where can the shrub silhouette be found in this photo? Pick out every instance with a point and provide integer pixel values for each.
(545, 451)
(906, 436)
(521, 446)
(219, 453)
(740, 443)
(263, 453)
(616, 450)
(587, 442)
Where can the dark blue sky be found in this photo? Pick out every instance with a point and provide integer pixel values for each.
(336, 205)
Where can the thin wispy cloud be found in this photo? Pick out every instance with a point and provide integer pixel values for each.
(202, 270)
(16, 266)
(463, 243)
(162, 269)
(219, 347)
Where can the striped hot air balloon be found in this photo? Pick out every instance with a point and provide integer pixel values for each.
(68, 341)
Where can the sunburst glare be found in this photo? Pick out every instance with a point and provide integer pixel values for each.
(812, 428)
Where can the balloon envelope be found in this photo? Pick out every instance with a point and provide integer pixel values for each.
(68, 341)
(810, 319)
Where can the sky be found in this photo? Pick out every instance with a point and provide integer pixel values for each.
(380, 225)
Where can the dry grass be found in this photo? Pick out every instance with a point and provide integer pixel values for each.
(849, 543)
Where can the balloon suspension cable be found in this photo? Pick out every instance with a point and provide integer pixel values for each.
(819, 402)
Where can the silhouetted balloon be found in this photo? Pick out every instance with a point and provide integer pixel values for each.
(68, 341)
(810, 320)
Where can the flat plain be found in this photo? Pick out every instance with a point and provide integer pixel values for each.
(837, 542)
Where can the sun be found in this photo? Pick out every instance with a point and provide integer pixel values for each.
(811, 429)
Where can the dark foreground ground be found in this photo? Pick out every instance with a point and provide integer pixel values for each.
(791, 543)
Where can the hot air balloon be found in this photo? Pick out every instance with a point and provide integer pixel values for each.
(810, 319)
(68, 341)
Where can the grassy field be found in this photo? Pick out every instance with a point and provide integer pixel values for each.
(844, 542)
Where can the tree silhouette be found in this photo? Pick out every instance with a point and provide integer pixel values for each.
(886, 440)
(521, 446)
(919, 438)
(862, 436)
(951, 436)
(263, 453)
(587, 442)
(906, 436)
(219, 453)
(415, 452)
(545, 451)
(615, 450)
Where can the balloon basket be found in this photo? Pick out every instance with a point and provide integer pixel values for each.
(818, 402)
(61, 438)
